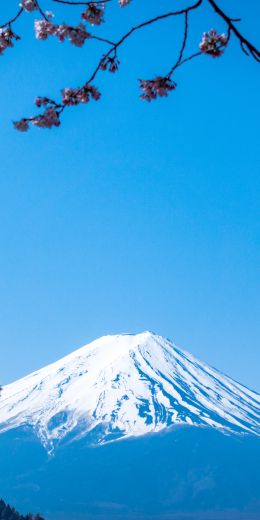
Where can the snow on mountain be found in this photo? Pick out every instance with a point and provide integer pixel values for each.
(126, 385)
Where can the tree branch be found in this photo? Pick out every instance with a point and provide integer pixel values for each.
(145, 24)
(185, 36)
(212, 44)
(68, 2)
(13, 19)
(246, 45)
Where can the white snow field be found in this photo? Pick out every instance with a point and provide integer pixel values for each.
(126, 385)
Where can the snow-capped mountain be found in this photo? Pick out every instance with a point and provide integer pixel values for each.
(126, 385)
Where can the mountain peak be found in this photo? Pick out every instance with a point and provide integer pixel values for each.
(126, 385)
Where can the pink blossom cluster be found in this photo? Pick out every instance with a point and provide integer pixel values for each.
(29, 5)
(75, 96)
(212, 43)
(6, 39)
(48, 119)
(123, 3)
(52, 110)
(44, 101)
(43, 29)
(22, 125)
(76, 35)
(159, 86)
(94, 14)
(109, 63)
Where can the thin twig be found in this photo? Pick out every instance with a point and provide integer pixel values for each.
(185, 36)
(41, 11)
(13, 19)
(68, 2)
(157, 19)
(98, 38)
(195, 55)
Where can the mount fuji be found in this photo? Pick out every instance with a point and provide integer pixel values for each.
(126, 385)
(155, 415)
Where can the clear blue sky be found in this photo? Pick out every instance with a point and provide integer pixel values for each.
(131, 216)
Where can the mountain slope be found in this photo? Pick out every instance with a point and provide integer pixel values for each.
(126, 385)
(180, 473)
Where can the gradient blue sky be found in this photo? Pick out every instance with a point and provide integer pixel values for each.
(131, 216)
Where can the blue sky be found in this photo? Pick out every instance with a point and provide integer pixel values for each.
(131, 216)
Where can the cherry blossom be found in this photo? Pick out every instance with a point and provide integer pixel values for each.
(51, 114)
(42, 101)
(109, 63)
(21, 125)
(49, 14)
(75, 96)
(48, 119)
(123, 3)
(29, 5)
(93, 14)
(76, 35)
(159, 86)
(6, 39)
(43, 29)
(213, 43)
